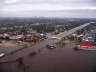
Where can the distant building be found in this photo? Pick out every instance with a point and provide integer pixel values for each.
(90, 37)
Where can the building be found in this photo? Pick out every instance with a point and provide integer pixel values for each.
(89, 37)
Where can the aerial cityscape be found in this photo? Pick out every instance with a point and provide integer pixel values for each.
(47, 36)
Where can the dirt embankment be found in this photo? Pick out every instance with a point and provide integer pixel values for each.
(8, 43)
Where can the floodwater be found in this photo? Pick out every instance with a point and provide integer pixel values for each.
(61, 59)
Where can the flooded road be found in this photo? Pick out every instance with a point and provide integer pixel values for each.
(61, 59)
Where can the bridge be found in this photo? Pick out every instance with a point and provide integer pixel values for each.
(66, 33)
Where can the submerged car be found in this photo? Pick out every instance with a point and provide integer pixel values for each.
(50, 46)
(2, 54)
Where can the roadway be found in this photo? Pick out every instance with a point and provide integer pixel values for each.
(41, 45)
(66, 33)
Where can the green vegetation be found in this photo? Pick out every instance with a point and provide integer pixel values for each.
(61, 42)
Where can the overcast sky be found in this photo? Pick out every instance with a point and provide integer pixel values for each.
(48, 8)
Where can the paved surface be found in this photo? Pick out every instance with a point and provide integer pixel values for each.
(66, 33)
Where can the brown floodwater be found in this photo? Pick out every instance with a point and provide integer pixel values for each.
(61, 59)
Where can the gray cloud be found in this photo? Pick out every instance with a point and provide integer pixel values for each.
(58, 3)
(94, 2)
(68, 13)
(63, 2)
